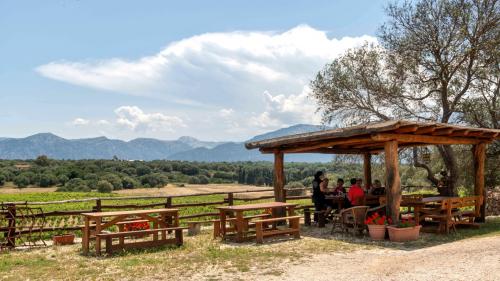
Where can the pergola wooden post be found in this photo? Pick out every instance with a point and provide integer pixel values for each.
(279, 177)
(392, 180)
(479, 154)
(367, 169)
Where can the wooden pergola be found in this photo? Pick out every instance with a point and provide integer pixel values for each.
(374, 138)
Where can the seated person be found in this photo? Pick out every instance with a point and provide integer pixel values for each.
(377, 188)
(339, 188)
(359, 182)
(356, 195)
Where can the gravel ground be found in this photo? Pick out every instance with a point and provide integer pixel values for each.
(471, 259)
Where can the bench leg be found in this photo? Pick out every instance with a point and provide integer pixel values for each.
(216, 229)
(307, 217)
(295, 224)
(109, 245)
(178, 237)
(321, 219)
(259, 233)
(120, 239)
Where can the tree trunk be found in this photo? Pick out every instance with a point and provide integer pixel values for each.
(450, 161)
(430, 174)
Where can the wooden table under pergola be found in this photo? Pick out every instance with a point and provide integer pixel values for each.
(374, 138)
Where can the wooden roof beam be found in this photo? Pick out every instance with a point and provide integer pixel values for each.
(423, 139)
(425, 130)
(444, 131)
(304, 147)
(407, 129)
(334, 151)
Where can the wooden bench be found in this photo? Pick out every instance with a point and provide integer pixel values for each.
(110, 247)
(452, 213)
(261, 231)
(232, 228)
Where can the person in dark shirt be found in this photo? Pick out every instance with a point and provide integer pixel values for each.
(377, 188)
(319, 190)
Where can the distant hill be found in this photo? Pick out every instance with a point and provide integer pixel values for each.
(185, 148)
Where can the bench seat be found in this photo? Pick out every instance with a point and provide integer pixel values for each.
(110, 247)
(232, 228)
(262, 231)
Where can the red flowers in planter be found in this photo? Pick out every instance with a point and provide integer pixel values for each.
(377, 219)
(406, 223)
(136, 226)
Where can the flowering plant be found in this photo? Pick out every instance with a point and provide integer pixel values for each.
(377, 219)
(406, 223)
(136, 226)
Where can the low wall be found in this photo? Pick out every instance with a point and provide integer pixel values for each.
(493, 202)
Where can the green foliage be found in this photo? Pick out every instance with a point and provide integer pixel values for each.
(46, 180)
(114, 179)
(104, 186)
(42, 161)
(2, 179)
(75, 185)
(203, 179)
(22, 181)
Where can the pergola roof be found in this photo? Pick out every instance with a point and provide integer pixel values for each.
(370, 138)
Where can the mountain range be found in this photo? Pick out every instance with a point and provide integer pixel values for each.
(185, 148)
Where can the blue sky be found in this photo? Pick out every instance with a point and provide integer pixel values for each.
(215, 70)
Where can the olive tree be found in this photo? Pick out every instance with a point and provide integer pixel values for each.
(431, 57)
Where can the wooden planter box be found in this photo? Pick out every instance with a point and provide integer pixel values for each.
(376, 231)
(404, 234)
(65, 239)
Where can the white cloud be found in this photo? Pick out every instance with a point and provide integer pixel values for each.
(103, 122)
(134, 118)
(217, 76)
(80, 122)
(226, 112)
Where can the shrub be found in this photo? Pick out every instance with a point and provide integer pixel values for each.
(2, 179)
(75, 185)
(46, 180)
(193, 180)
(114, 180)
(129, 183)
(260, 181)
(22, 181)
(62, 179)
(295, 189)
(42, 160)
(91, 180)
(104, 186)
(154, 180)
(203, 179)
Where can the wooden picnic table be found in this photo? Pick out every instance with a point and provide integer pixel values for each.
(165, 218)
(425, 206)
(242, 224)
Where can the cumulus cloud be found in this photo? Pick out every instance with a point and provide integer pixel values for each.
(135, 119)
(80, 122)
(207, 72)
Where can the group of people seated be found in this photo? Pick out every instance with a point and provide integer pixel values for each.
(353, 197)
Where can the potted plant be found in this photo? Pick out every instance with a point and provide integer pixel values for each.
(405, 230)
(377, 225)
(61, 238)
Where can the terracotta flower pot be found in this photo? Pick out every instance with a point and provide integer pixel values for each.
(65, 239)
(404, 234)
(377, 232)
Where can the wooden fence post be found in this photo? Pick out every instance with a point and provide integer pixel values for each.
(169, 220)
(11, 218)
(230, 199)
(98, 205)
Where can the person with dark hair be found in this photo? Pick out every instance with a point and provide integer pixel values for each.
(377, 188)
(356, 194)
(319, 191)
(339, 189)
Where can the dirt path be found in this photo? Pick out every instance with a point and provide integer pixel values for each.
(472, 259)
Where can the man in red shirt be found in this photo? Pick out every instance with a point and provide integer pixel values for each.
(356, 194)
